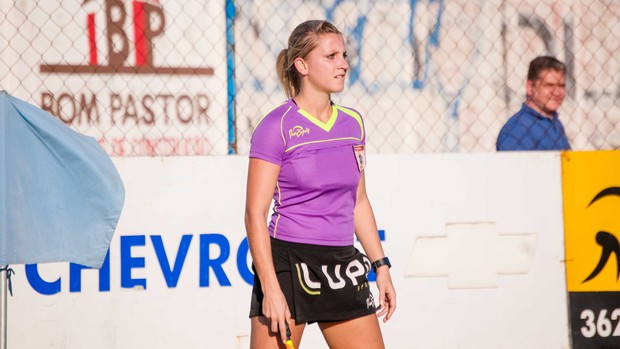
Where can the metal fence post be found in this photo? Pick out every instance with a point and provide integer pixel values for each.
(3, 307)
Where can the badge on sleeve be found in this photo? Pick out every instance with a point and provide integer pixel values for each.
(360, 156)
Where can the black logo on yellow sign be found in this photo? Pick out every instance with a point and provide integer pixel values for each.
(607, 241)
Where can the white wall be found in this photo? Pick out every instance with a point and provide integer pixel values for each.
(476, 242)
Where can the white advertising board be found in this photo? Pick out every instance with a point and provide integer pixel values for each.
(476, 242)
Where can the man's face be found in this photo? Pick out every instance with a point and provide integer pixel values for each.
(546, 93)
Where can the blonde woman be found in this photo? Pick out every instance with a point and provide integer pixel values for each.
(307, 155)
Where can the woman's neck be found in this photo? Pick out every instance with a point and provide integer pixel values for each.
(319, 106)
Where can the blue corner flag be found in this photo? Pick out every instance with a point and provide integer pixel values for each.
(60, 194)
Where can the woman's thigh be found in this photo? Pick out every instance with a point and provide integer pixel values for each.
(359, 333)
(262, 337)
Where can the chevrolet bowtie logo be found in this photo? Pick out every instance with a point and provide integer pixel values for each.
(472, 255)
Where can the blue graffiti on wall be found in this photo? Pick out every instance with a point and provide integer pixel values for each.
(428, 32)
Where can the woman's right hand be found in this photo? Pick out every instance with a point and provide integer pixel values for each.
(277, 312)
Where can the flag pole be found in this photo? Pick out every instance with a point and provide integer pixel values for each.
(3, 307)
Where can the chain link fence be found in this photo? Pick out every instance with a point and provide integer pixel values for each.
(170, 78)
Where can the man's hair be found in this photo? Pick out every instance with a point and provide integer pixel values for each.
(541, 63)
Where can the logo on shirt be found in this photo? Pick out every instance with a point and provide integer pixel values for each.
(298, 131)
(360, 156)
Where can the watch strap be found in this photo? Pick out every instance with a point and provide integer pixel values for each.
(380, 262)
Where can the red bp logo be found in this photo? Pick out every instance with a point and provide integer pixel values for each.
(147, 23)
(123, 81)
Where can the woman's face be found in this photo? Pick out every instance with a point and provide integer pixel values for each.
(325, 67)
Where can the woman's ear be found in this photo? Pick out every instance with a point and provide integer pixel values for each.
(301, 66)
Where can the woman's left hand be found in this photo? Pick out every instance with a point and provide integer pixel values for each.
(387, 294)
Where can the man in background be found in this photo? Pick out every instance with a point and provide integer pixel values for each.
(537, 126)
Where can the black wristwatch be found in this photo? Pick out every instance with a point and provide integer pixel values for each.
(380, 262)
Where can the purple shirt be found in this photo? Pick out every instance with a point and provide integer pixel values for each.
(320, 170)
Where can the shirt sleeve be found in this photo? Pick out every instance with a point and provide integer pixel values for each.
(363, 127)
(267, 142)
(514, 135)
(506, 141)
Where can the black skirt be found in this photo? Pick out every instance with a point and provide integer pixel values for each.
(320, 283)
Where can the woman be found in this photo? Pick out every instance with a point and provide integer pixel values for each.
(308, 156)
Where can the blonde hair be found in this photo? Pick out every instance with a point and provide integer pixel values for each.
(302, 40)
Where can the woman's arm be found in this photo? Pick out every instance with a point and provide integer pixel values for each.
(262, 179)
(367, 233)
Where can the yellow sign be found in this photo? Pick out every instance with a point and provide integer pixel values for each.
(591, 189)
